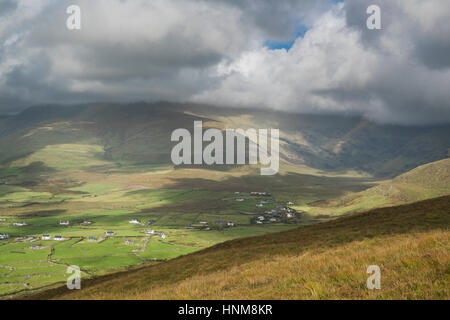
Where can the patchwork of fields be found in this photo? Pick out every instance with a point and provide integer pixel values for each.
(181, 221)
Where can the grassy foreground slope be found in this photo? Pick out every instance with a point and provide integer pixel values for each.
(410, 243)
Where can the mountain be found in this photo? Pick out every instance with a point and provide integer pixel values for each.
(409, 243)
(140, 134)
(109, 164)
(424, 182)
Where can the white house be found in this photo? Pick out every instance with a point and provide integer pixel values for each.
(4, 236)
(19, 224)
(261, 218)
(64, 223)
(163, 236)
(46, 237)
(134, 221)
(239, 199)
(230, 224)
(150, 231)
(260, 205)
(58, 238)
(109, 233)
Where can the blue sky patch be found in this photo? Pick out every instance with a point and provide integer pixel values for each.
(287, 45)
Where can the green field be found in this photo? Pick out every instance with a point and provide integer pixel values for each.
(88, 164)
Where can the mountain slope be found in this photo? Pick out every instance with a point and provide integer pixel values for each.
(140, 134)
(410, 243)
(424, 182)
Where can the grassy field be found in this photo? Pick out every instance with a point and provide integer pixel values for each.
(409, 243)
(110, 207)
(88, 164)
(109, 197)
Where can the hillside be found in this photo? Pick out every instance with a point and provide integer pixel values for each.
(424, 182)
(140, 134)
(100, 166)
(410, 243)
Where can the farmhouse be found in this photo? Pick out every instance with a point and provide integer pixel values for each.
(240, 199)
(86, 223)
(150, 222)
(263, 194)
(230, 224)
(19, 224)
(134, 221)
(64, 223)
(92, 239)
(149, 231)
(162, 235)
(130, 242)
(204, 222)
(4, 236)
(46, 237)
(2, 219)
(109, 233)
(260, 205)
(261, 218)
(58, 238)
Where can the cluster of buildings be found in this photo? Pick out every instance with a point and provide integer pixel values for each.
(280, 214)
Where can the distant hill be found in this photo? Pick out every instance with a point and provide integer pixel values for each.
(424, 182)
(140, 134)
(409, 243)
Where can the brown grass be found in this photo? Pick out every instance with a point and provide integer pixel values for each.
(410, 243)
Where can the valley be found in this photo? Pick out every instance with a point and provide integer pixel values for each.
(93, 185)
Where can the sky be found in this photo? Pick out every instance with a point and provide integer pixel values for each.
(306, 56)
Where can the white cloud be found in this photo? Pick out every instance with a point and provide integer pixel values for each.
(213, 52)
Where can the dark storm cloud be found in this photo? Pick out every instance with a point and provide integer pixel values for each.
(424, 25)
(279, 19)
(214, 52)
(7, 6)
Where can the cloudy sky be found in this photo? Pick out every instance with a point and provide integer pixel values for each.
(298, 55)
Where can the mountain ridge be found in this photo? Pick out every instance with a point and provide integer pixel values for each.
(140, 133)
